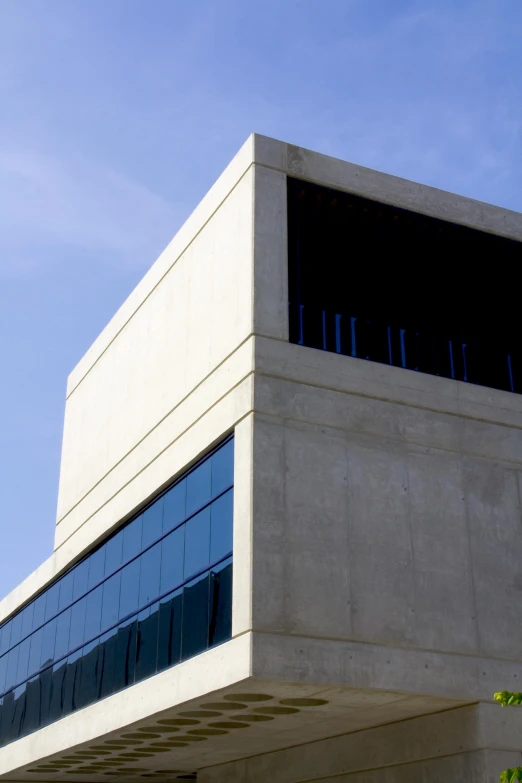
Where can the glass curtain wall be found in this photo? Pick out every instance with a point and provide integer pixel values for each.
(155, 593)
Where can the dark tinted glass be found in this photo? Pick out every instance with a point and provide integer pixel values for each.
(126, 643)
(222, 468)
(220, 603)
(46, 686)
(150, 574)
(172, 558)
(174, 504)
(32, 706)
(90, 675)
(152, 523)
(71, 685)
(221, 517)
(169, 634)
(194, 635)
(18, 712)
(132, 535)
(197, 543)
(101, 627)
(198, 487)
(57, 690)
(108, 663)
(147, 642)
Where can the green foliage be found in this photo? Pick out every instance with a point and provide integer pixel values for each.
(511, 775)
(508, 699)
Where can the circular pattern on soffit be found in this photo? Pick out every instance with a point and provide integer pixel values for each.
(173, 729)
(140, 734)
(116, 744)
(169, 744)
(178, 722)
(229, 724)
(226, 705)
(208, 732)
(304, 702)
(248, 697)
(200, 714)
(252, 718)
(276, 710)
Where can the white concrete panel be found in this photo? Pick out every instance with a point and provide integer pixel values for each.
(189, 324)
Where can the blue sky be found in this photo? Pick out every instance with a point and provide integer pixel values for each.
(116, 117)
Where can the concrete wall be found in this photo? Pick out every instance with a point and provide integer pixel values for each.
(464, 745)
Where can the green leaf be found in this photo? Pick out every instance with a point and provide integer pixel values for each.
(513, 775)
(507, 698)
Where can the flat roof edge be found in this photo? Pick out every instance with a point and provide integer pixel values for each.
(306, 164)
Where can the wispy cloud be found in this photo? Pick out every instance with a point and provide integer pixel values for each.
(47, 202)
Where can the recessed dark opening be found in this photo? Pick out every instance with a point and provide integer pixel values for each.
(385, 284)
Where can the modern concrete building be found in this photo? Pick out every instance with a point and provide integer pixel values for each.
(289, 538)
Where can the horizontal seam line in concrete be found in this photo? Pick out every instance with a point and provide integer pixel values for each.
(154, 428)
(181, 434)
(149, 293)
(406, 205)
(348, 734)
(278, 420)
(401, 648)
(406, 404)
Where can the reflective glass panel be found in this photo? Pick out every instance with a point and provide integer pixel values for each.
(150, 574)
(174, 504)
(222, 467)
(197, 543)
(66, 590)
(81, 579)
(152, 523)
(221, 517)
(147, 642)
(113, 553)
(111, 601)
(130, 588)
(96, 567)
(198, 487)
(27, 620)
(132, 534)
(194, 634)
(78, 614)
(172, 558)
(93, 613)
(101, 626)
